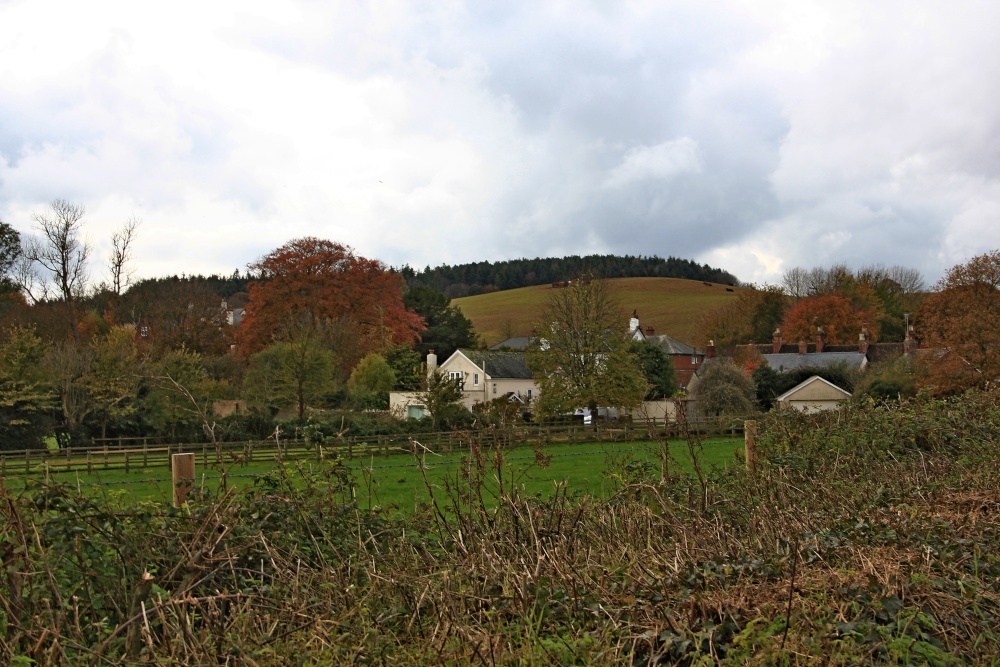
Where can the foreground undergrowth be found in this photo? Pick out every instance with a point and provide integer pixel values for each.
(865, 537)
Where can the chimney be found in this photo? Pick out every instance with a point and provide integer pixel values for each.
(633, 323)
(910, 342)
(776, 340)
(863, 341)
(803, 346)
(650, 331)
(819, 339)
(710, 350)
(432, 363)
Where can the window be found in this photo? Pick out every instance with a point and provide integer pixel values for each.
(494, 387)
(694, 361)
(458, 377)
(475, 379)
(529, 394)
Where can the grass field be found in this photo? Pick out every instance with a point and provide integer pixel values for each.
(670, 305)
(397, 482)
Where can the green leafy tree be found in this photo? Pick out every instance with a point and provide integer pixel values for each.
(114, 378)
(447, 328)
(582, 357)
(26, 394)
(442, 397)
(406, 365)
(371, 381)
(181, 393)
(10, 251)
(298, 371)
(658, 369)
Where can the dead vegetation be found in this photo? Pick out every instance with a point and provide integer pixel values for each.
(868, 537)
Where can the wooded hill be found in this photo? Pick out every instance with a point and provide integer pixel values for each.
(484, 277)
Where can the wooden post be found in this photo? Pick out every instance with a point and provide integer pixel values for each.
(145, 454)
(126, 462)
(27, 460)
(90, 462)
(3, 466)
(750, 444)
(204, 454)
(182, 468)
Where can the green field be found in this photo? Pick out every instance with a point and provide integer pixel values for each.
(670, 305)
(596, 469)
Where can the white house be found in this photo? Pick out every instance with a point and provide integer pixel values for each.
(813, 395)
(483, 376)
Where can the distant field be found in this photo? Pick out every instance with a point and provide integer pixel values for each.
(594, 468)
(669, 305)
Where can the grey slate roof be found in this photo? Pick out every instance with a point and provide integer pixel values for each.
(788, 361)
(671, 345)
(500, 363)
(515, 343)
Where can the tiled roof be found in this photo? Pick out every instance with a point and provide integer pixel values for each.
(787, 361)
(500, 363)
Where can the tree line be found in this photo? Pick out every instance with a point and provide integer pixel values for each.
(481, 277)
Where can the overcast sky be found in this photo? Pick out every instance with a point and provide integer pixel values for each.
(755, 136)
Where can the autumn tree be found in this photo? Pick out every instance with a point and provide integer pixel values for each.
(752, 316)
(172, 313)
(723, 389)
(841, 319)
(326, 281)
(581, 356)
(963, 315)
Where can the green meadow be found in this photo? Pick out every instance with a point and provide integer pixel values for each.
(401, 481)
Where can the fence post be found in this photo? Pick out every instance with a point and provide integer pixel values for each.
(182, 474)
(750, 444)
(3, 466)
(204, 454)
(27, 460)
(145, 454)
(126, 462)
(350, 447)
(90, 462)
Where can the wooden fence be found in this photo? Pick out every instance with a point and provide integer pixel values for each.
(137, 453)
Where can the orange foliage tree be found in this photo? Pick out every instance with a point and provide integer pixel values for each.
(320, 282)
(841, 317)
(963, 315)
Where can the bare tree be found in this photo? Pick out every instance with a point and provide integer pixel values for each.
(795, 282)
(61, 253)
(121, 255)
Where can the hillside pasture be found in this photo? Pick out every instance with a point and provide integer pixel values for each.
(670, 305)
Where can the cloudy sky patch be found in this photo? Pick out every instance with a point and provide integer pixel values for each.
(756, 136)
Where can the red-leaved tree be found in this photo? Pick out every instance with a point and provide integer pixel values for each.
(840, 317)
(325, 285)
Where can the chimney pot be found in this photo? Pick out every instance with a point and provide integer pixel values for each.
(776, 340)
(803, 346)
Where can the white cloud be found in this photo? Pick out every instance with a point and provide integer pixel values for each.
(757, 136)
